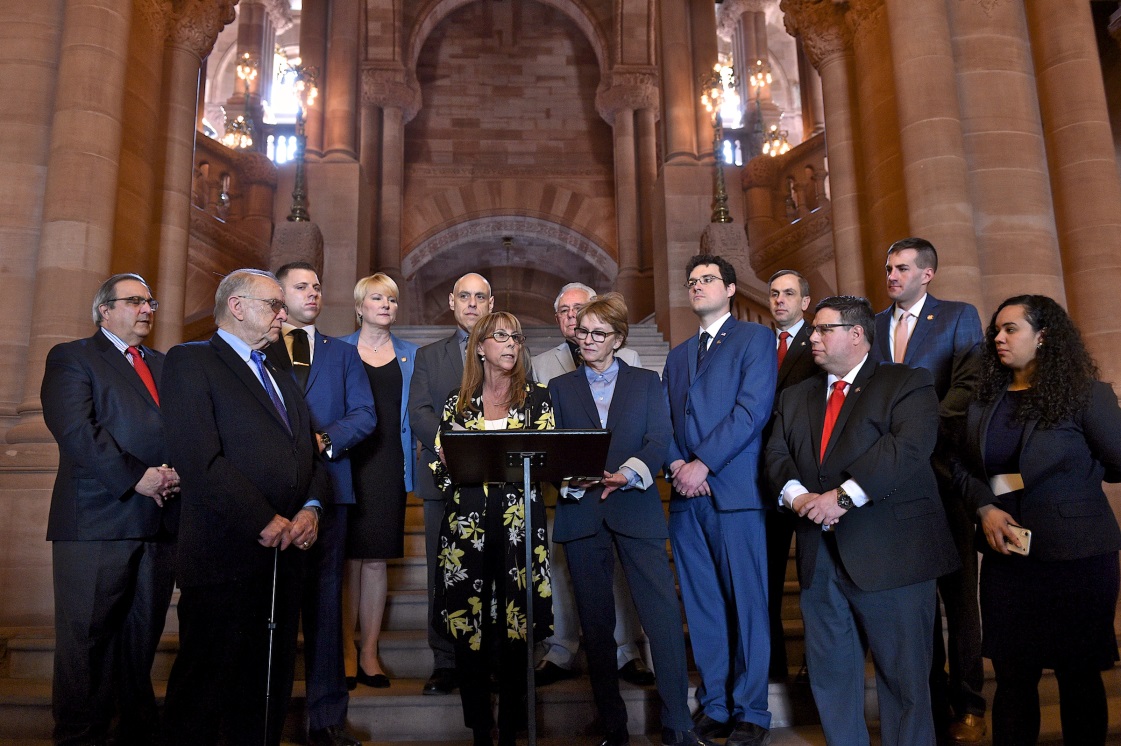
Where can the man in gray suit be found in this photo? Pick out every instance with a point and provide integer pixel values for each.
(561, 648)
(438, 370)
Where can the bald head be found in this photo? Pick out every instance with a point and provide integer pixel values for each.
(470, 300)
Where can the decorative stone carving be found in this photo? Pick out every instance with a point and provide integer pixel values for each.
(865, 15)
(728, 240)
(627, 88)
(793, 237)
(988, 5)
(155, 13)
(821, 26)
(256, 168)
(761, 172)
(391, 87)
(280, 13)
(295, 242)
(195, 24)
(731, 11)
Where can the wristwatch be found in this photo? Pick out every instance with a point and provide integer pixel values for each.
(323, 436)
(315, 509)
(844, 502)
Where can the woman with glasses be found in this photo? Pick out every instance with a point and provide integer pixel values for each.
(383, 473)
(621, 512)
(1040, 439)
(480, 591)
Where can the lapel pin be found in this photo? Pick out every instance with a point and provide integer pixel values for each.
(856, 390)
(930, 317)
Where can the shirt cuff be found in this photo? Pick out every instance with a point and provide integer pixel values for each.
(571, 493)
(313, 503)
(791, 490)
(858, 496)
(639, 475)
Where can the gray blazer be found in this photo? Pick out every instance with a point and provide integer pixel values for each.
(558, 361)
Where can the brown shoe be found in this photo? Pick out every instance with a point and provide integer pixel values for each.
(968, 729)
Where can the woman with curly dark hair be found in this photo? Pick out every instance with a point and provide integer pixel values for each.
(1040, 439)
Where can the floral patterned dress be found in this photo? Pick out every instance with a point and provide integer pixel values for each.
(460, 589)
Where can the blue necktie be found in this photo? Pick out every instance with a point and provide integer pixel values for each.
(259, 359)
(702, 348)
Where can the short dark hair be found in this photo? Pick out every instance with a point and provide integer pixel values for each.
(853, 310)
(284, 269)
(803, 283)
(727, 271)
(109, 288)
(925, 254)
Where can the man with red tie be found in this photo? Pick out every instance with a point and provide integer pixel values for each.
(850, 455)
(112, 521)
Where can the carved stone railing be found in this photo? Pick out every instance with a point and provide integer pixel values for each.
(789, 218)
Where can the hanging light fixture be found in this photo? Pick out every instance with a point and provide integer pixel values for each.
(714, 95)
(304, 84)
(239, 133)
(775, 142)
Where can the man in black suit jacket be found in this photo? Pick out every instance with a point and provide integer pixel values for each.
(242, 439)
(439, 370)
(789, 298)
(112, 519)
(873, 535)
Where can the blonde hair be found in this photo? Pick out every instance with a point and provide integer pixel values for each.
(611, 309)
(364, 286)
(473, 373)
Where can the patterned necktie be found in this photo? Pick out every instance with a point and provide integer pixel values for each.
(259, 359)
(832, 409)
(783, 346)
(144, 372)
(901, 336)
(702, 348)
(301, 357)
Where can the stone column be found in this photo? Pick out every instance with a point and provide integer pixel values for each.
(813, 110)
(1084, 174)
(828, 44)
(191, 36)
(647, 175)
(935, 172)
(702, 25)
(369, 156)
(258, 178)
(1017, 241)
(679, 105)
(313, 52)
(341, 82)
(76, 237)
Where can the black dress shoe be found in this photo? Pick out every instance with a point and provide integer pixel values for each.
(616, 738)
(707, 728)
(334, 735)
(672, 737)
(748, 734)
(377, 681)
(635, 672)
(547, 672)
(442, 681)
(351, 683)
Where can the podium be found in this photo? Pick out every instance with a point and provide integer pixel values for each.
(478, 456)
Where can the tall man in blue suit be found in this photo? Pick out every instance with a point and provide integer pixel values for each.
(941, 336)
(720, 385)
(337, 391)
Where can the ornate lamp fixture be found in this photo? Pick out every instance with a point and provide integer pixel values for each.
(715, 89)
(774, 143)
(239, 133)
(305, 78)
(247, 71)
(760, 76)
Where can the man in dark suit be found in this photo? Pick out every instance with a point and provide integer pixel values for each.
(112, 519)
(850, 450)
(242, 439)
(789, 299)
(720, 385)
(941, 336)
(438, 370)
(337, 390)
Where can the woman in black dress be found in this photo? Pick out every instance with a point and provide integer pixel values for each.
(1040, 440)
(383, 471)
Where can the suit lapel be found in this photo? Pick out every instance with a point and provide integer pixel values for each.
(584, 394)
(241, 370)
(620, 400)
(118, 362)
(923, 325)
(798, 346)
(321, 344)
(851, 398)
(883, 326)
(452, 356)
(713, 346)
(983, 426)
(815, 405)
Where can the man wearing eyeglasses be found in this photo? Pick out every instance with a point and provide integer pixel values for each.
(114, 513)
(243, 440)
(720, 384)
(561, 648)
(849, 454)
(438, 370)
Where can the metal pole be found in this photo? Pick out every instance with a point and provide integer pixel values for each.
(272, 631)
(531, 687)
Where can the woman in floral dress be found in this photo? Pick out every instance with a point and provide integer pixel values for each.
(480, 585)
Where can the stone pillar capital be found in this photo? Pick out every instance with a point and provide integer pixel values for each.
(623, 88)
(391, 87)
(279, 11)
(821, 26)
(864, 15)
(731, 11)
(194, 25)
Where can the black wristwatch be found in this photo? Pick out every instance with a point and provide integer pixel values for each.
(326, 440)
(844, 502)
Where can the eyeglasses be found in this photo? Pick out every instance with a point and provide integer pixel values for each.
(704, 280)
(137, 301)
(597, 336)
(569, 310)
(821, 329)
(275, 304)
(502, 336)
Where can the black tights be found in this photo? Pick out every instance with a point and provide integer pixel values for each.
(1082, 705)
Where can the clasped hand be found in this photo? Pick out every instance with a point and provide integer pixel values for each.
(159, 483)
(820, 508)
(301, 531)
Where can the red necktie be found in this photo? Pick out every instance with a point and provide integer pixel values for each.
(782, 346)
(836, 401)
(145, 374)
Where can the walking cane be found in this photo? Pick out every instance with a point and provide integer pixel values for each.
(272, 631)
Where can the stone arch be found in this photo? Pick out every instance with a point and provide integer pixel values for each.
(525, 272)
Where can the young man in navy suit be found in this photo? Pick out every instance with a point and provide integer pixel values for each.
(941, 336)
(337, 389)
(720, 385)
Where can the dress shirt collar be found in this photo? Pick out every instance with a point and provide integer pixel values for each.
(715, 326)
(914, 310)
(239, 346)
(607, 376)
(792, 331)
(117, 341)
(848, 377)
(310, 329)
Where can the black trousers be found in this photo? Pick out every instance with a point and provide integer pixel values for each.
(111, 601)
(780, 532)
(327, 695)
(216, 693)
(1082, 704)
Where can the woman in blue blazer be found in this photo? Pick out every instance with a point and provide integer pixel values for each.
(1040, 439)
(623, 513)
(383, 469)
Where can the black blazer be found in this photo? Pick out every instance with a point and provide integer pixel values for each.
(640, 427)
(1063, 468)
(109, 432)
(883, 439)
(438, 371)
(238, 465)
(798, 365)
